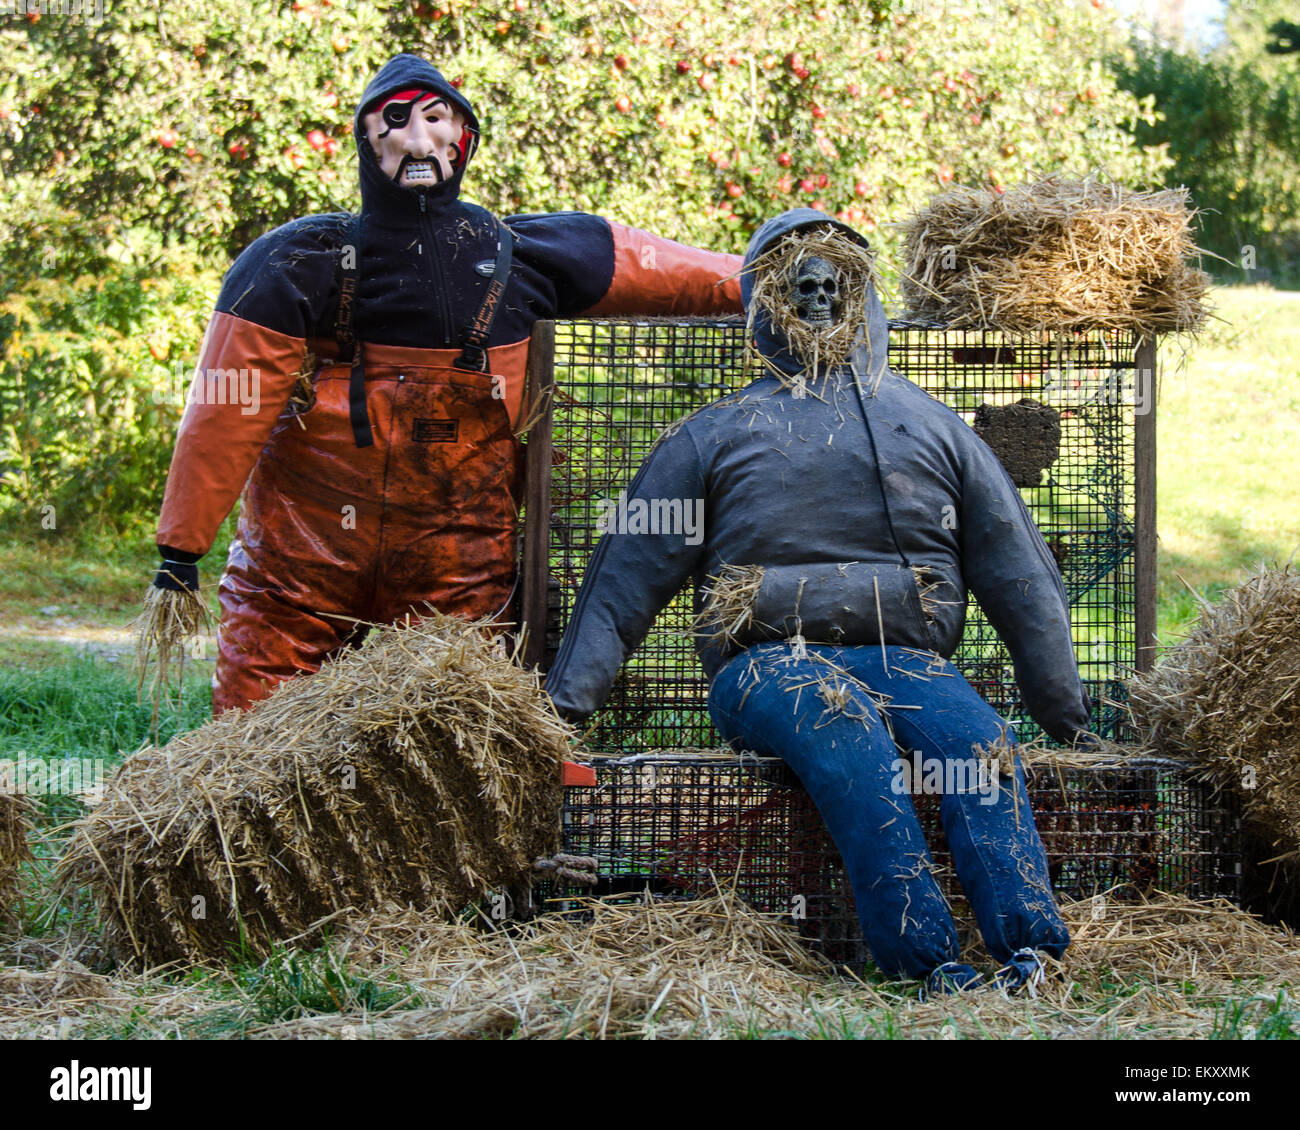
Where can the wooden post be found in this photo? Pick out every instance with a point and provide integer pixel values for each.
(537, 493)
(1144, 506)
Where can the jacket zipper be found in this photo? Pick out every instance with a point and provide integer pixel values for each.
(439, 281)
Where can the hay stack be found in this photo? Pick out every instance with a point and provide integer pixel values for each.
(1228, 700)
(1055, 255)
(15, 826)
(419, 769)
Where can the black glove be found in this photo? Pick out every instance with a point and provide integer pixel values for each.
(179, 570)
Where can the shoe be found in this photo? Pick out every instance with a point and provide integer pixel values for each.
(951, 977)
(1025, 970)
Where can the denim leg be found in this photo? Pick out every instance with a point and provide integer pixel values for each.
(996, 849)
(807, 711)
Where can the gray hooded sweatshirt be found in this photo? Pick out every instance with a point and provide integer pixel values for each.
(840, 494)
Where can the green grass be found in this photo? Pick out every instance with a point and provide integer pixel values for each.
(1228, 427)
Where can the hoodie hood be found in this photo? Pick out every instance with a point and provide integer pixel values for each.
(871, 356)
(404, 72)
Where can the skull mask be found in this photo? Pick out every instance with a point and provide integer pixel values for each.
(815, 293)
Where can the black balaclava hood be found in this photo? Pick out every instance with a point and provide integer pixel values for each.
(404, 72)
(869, 358)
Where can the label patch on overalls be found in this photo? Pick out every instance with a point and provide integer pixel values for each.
(436, 431)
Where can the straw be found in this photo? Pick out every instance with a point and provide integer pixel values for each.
(16, 813)
(822, 349)
(728, 611)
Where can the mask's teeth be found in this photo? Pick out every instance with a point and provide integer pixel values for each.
(420, 171)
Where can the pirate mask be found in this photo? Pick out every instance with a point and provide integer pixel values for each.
(419, 138)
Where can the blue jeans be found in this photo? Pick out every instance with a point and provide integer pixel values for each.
(863, 730)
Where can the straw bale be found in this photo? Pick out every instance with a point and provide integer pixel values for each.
(1226, 699)
(420, 769)
(15, 826)
(1057, 254)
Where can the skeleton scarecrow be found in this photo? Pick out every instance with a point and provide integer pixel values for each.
(869, 510)
(380, 460)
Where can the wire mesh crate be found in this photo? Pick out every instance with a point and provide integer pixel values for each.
(676, 824)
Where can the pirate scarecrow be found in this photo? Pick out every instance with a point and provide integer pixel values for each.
(848, 516)
(379, 457)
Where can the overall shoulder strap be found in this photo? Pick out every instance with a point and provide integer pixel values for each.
(345, 334)
(473, 354)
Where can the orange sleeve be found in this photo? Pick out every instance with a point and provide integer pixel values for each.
(653, 275)
(244, 378)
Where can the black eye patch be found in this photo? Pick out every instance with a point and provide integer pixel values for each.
(397, 114)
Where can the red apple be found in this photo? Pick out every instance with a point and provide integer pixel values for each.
(167, 138)
(818, 112)
(783, 159)
(706, 82)
(331, 147)
(945, 173)
(340, 43)
(853, 89)
(620, 61)
(623, 104)
(734, 190)
(886, 92)
(807, 186)
(316, 139)
(683, 67)
(862, 188)
(823, 180)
